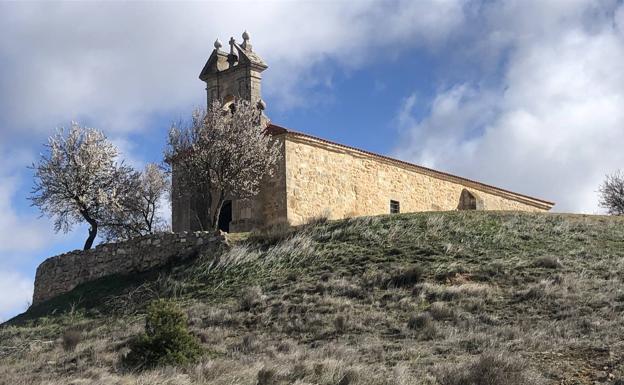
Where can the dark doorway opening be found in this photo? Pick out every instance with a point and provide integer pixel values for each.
(467, 201)
(225, 216)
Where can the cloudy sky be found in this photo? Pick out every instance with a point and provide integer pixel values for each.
(527, 95)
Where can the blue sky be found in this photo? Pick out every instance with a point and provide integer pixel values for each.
(527, 95)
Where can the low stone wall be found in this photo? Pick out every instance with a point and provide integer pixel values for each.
(62, 273)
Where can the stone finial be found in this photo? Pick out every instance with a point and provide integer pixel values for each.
(232, 42)
(217, 44)
(246, 43)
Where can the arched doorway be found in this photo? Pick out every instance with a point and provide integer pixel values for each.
(468, 201)
(225, 216)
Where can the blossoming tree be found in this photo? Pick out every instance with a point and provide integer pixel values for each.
(222, 155)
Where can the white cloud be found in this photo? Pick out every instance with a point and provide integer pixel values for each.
(18, 232)
(555, 124)
(16, 292)
(116, 64)
(127, 152)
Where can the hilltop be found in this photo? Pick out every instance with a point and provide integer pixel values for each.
(428, 298)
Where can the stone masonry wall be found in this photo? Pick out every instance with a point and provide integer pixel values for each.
(62, 273)
(269, 206)
(324, 178)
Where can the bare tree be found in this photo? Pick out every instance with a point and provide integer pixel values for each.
(222, 155)
(612, 193)
(139, 209)
(79, 179)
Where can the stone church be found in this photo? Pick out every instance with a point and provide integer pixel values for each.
(318, 177)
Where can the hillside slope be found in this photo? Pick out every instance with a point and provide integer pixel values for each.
(430, 298)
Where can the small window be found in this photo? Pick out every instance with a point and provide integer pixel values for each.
(395, 207)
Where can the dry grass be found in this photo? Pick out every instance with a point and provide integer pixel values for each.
(488, 369)
(442, 298)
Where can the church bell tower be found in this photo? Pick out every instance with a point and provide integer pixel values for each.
(234, 75)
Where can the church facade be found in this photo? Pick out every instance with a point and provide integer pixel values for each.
(316, 177)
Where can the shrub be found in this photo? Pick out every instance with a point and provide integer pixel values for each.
(71, 338)
(406, 278)
(166, 340)
(218, 317)
(420, 321)
(344, 288)
(440, 311)
(298, 371)
(612, 193)
(266, 376)
(350, 376)
(250, 298)
(372, 278)
(248, 343)
(340, 323)
(424, 325)
(547, 263)
(429, 333)
(543, 290)
(489, 369)
(532, 294)
(284, 347)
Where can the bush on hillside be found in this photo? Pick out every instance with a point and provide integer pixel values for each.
(612, 193)
(489, 369)
(406, 278)
(441, 312)
(250, 297)
(547, 262)
(420, 321)
(166, 340)
(266, 376)
(341, 323)
(424, 325)
(71, 338)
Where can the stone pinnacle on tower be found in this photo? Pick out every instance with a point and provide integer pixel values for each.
(246, 43)
(234, 74)
(217, 44)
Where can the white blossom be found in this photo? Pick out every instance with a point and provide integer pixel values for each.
(223, 155)
(79, 179)
(138, 214)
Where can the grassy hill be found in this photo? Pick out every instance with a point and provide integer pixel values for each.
(434, 298)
